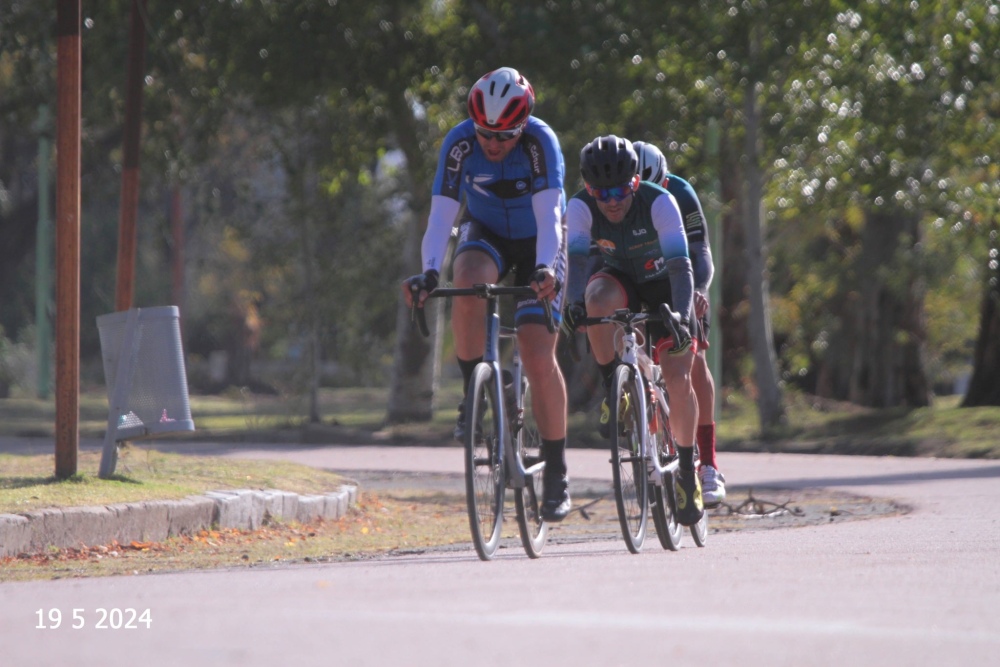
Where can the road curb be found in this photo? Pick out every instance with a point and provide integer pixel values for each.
(154, 521)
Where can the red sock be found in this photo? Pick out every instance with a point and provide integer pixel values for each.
(706, 444)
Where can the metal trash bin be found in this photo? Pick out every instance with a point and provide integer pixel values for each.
(145, 376)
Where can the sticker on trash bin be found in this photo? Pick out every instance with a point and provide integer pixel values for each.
(164, 418)
(129, 420)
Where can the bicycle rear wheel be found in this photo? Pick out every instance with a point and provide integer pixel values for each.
(628, 466)
(528, 499)
(484, 472)
(668, 530)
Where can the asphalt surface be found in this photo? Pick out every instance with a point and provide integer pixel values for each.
(917, 588)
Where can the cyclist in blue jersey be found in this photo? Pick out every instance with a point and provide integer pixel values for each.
(500, 178)
(653, 168)
(638, 230)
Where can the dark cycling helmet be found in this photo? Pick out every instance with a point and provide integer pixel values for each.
(501, 100)
(607, 162)
(652, 163)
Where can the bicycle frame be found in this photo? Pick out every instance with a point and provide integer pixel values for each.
(516, 472)
(636, 358)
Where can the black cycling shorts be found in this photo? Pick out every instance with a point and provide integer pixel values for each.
(517, 256)
(649, 296)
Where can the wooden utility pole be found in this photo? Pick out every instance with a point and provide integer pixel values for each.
(68, 83)
(129, 208)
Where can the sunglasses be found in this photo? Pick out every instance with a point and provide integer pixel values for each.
(617, 193)
(506, 135)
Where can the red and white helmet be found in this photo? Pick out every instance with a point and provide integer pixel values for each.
(501, 100)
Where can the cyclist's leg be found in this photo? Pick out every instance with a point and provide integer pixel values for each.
(468, 313)
(538, 354)
(712, 481)
(704, 389)
(478, 259)
(677, 377)
(606, 293)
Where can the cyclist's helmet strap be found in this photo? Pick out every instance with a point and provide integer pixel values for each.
(652, 163)
(501, 100)
(608, 162)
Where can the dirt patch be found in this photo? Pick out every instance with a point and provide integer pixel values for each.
(595, 515)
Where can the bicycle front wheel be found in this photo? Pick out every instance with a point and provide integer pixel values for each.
(668, 530)
(484, 472)
(528, 499)
(628, 466)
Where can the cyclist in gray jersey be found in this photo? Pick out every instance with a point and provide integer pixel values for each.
(653, 168)
(638, 230)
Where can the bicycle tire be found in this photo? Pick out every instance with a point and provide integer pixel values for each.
(528, 499)
(668, 529)
(628, 467)
(699, 531)
(484, 471)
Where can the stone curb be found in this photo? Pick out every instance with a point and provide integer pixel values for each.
(154, 521)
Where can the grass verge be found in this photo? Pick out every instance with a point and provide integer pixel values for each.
(27, 482)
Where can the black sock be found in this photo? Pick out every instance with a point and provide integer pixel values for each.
(685, 457)
(467, 367)
(554, 453)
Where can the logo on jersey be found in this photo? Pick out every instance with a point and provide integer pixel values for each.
(480, 182)
(535, 153)
(463, 232)
(453, 164)
(692, 220)
(489, 185)
(656, 265)
(641, 231)
(606, 245)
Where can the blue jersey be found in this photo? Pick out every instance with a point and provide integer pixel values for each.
(498, 194)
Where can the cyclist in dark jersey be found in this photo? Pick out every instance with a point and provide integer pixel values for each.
(653, 168)
(500, 178)
(638, 230)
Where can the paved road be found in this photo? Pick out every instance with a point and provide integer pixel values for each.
(922, 588)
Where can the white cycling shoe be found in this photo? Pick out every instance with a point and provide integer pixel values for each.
(713, 486)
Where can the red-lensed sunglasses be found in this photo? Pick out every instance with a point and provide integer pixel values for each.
(617, 193)
(505, 135)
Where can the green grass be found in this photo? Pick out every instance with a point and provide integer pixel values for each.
(27, 482)
(818, 425)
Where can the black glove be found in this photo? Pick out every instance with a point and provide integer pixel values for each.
(423, 282)
(573, 314)
(539, 276)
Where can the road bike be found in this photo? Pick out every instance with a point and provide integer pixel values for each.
(502, 443)
(643, 450)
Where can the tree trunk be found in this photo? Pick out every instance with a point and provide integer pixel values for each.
(416, 359)
(770, 407)
(733, 309)
(888, 360)
(984, 387)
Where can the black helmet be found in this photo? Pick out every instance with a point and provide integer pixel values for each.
(608, 161)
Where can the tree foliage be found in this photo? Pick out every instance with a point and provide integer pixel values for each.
(303, 135)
